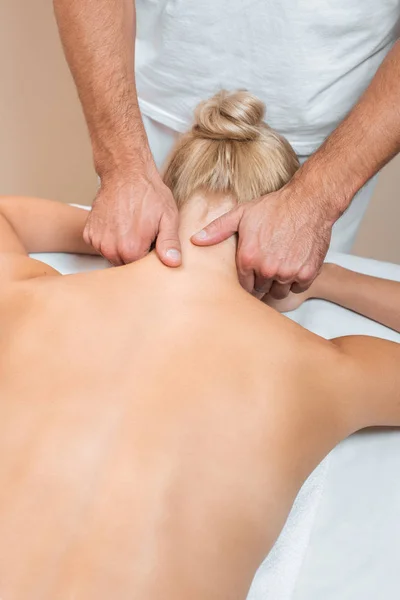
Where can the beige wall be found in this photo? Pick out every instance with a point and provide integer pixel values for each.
(44, 148)
(379, 234)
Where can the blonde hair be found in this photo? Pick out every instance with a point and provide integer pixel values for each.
(230, 149)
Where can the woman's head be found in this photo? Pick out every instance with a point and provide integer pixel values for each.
(230, 149)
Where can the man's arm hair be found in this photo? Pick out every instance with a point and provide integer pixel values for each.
(360, 146)
(99, 42)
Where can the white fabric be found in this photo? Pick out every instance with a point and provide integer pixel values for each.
(309, 60)
(277, 577)
(342, 538)
(161, 139)
(344, 231)
(354, 546)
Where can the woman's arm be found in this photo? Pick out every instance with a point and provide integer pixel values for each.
(375, 298)
(36, 225)
(370, 390)
(370, 383)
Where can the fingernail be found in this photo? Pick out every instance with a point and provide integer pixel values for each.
(201, 235)
(173, 253)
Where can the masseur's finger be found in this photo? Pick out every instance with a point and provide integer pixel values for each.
(279, 291)
(247, 280)
(261, 286)
(168, 245)
(219, 230)
(244, 265)
(298, 288)
(304, 279)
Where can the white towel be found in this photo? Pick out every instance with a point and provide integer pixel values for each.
(276, 578)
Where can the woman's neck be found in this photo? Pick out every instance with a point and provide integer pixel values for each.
(208, 265)
(198, 212)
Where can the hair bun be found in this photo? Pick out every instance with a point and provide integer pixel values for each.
(230, 116)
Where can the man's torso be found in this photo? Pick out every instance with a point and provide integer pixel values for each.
(308, 60)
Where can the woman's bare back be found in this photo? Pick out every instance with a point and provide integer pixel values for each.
(154, 431)
(156, 424)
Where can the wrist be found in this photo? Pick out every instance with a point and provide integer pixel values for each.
(123, 161)
(315, 185)
(339, 168)
(121, 152)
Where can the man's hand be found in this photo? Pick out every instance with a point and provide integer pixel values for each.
(129, 214)
(284, 237)
(283, 240)
(318, 289)
(133, 207)
(291, 302)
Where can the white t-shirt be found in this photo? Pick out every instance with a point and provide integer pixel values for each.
(308, 60)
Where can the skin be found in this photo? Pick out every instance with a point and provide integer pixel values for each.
(133, 207)
(156, 424)
(375, 298)
(283, 237)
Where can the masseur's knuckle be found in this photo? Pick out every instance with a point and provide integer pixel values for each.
(128, 254)
(168, 231)
(168, 242)
(134, 249)
(245, 263)
(107, 249)
(268, 268)
(265, 272)
(217, 226)
(170, 228)
(249, 258)
(171, 214)
(306, 274)
(285, 275)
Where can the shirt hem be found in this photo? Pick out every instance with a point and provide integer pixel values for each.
(302, 148)
(161, 116)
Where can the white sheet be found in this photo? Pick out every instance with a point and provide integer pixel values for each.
(342, 539)
(354, 544)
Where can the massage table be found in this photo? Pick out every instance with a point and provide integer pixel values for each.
(342, 538)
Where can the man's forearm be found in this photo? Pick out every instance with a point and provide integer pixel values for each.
(98, 38)
(360, 146)
(375, 298)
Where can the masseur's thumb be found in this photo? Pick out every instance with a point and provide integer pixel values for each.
(219, 230)
(168, 245)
